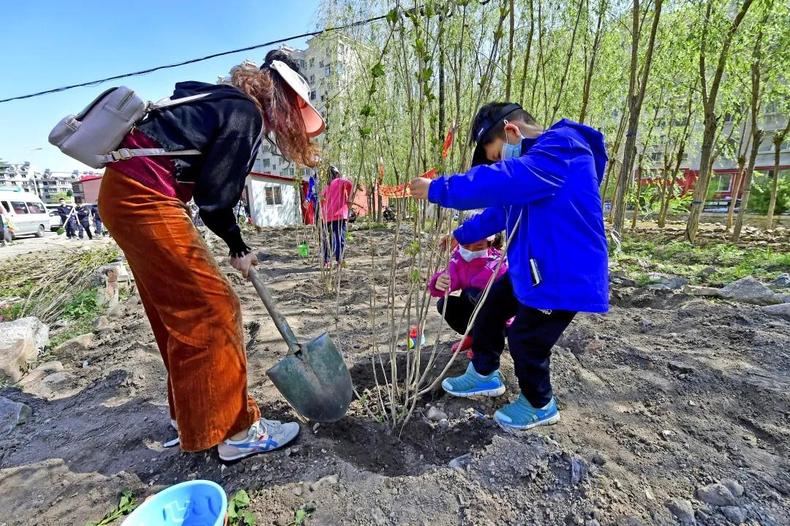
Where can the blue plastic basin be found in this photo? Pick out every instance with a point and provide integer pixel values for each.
(193, 503)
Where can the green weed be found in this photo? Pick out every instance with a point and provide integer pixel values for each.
(302, 514)
(125, 507)
(238, 514)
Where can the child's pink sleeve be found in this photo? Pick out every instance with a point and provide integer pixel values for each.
(480, 280)
(436, 293)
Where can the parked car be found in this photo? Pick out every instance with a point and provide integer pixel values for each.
(54, 217)
(27, 212)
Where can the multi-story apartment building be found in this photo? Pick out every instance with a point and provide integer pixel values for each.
(21, 175)
(52, 185)
(329, 63)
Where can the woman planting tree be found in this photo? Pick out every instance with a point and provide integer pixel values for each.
(194, 313)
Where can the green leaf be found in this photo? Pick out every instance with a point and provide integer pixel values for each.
(377, 70)
(249, 518)
(425, 75)
(392, 16)
(242, 498)
(367, 110)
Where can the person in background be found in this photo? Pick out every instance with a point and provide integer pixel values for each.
(194, 312)
(66, 216)
(99, 228)
(335, 200)
(2, 225)
(469, 271)
(542, 187)
(84, 219)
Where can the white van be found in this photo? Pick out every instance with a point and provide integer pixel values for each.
(27, 211)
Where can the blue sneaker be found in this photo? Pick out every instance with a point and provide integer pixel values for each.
(471, 383)
(520, 415)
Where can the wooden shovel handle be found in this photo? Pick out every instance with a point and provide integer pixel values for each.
(277, 318)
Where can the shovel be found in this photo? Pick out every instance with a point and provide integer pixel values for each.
(313, 377)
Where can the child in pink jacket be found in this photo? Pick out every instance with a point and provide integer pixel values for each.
(470, 268)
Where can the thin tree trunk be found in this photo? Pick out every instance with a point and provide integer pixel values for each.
(709, 97)
(736, 184)
(757, 133)
(591, 66)
(779, 138)
(509, 72)
(735, 191)
(564, 78)
(635, 103)
(612, 156)
(527, 53)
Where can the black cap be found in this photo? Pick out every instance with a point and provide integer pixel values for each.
(483, 126)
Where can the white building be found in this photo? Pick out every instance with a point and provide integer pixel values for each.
(50, 184)
(21, 175)
(274, 200)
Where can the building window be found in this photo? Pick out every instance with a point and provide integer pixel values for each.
(312, 95)
(656, 156)
(724, 183)
(312, 79)
(312, 62)
(274, 195)
(267, 163)
(328, 71)
(321, 64)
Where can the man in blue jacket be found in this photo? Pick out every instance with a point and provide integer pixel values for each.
(541, 186)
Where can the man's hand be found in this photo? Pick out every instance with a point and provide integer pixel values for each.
(244, 263)
(443, 282)
(419, 187)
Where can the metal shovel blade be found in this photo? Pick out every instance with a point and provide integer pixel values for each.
(315, 380)
(312, 377)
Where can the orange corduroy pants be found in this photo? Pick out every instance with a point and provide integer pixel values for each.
(194, 313)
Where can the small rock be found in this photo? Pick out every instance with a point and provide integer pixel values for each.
(680, 367)
(781, 281)
(598, 459)
(315, 428)
(436, 414)
(704, 292)
(681, 509)
(749, 290)
(298, 489)
(461, 463)
(444, 424)
(20, 343)
(329, 480)
(666, 282)
(103, 323)
(782, 310)
(734, 514)
(716, 495)
(378, 516)
(592, 522)
(75, 345)
(12, 414)
(35, 376)
(734, 486)
(578, 469)
(666, 434)
(692, 403)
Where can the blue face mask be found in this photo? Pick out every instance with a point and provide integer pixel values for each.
(511, 151)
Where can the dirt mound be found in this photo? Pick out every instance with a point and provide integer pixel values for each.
(663, 396)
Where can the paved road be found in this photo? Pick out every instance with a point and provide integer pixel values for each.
(50, 241)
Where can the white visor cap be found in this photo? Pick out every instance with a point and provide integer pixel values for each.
(313, 122)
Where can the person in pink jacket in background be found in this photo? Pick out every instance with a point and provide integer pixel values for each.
(335, 200)
(470, 268)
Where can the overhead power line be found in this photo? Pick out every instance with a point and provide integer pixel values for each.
(194, 60)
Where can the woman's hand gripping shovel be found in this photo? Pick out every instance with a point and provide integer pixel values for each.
(313, 377)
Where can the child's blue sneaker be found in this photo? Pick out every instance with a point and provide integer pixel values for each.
(520, 415)
(471, 383)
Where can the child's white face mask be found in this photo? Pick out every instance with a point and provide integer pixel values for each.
(469, 255)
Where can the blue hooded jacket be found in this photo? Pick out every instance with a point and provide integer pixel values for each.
(554, 186)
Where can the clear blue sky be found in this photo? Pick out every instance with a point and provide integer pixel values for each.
(49, 43)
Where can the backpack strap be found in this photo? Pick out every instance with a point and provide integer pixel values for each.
(168, 102)
(124, 154)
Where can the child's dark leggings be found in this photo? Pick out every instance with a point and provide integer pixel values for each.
(530, 339)
(336, 244)
(459, 308)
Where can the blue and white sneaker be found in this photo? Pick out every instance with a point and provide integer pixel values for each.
(471, 383)
(262, 437)
(520, 415)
